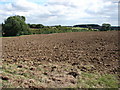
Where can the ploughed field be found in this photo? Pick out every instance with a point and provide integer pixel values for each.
(77, 59)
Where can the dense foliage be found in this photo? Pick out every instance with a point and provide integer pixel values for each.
(15, 25)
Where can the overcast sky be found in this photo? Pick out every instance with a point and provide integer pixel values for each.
(62, 12)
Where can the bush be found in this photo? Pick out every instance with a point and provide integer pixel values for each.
(15, 25)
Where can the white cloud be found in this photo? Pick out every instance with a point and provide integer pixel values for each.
(65, 12)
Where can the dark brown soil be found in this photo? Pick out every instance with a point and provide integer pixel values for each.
(86, 51)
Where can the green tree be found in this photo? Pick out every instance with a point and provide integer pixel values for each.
(39, 26)
(32, 25)
(58, 26)
(106, 27)
(15, 25)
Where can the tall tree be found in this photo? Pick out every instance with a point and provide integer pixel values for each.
(106, 27)
(15, 25)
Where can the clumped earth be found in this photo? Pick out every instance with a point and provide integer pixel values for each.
(64, 60)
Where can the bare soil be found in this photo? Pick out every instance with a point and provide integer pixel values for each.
(57, 60)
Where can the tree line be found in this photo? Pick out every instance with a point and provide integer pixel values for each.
(104, 27)
(16, 25)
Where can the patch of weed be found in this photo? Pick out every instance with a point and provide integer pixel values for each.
(90, 80)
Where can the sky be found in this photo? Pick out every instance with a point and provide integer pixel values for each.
(61, 12)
